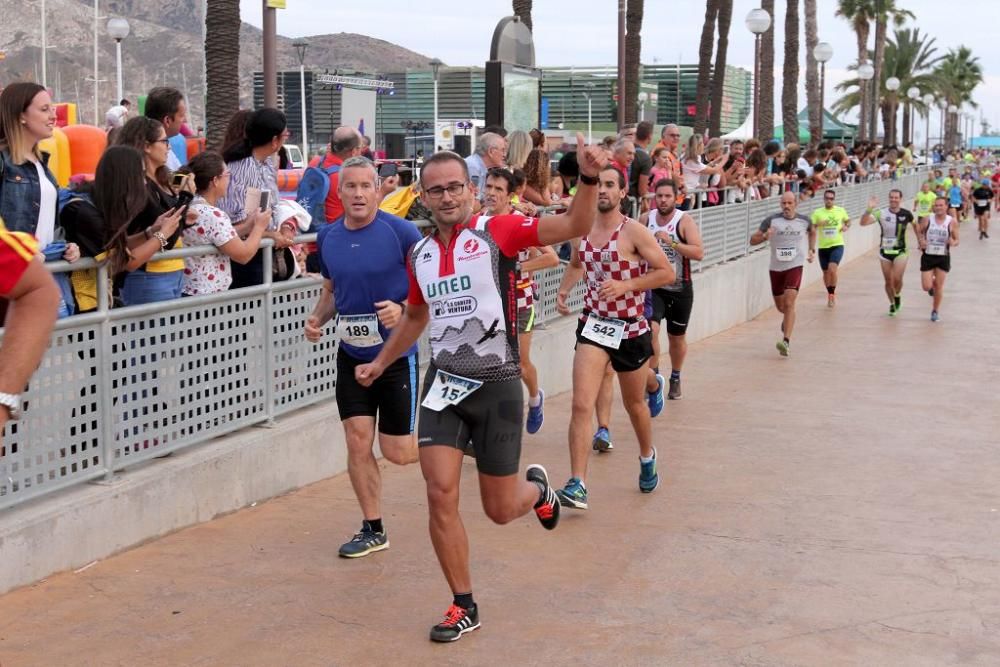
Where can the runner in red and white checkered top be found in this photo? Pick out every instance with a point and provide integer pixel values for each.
(621, 260)
(606, 263)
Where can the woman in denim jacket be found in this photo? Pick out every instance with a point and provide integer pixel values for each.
(28, 190)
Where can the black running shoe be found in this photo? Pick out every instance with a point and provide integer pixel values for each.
(457, 621)
(547, 510)
(364, 543)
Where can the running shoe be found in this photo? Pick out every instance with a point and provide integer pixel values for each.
(655, 398)
(934, 316)
(648, 479)
(574, 494)
(892, 310)
(602, 440)
(675, 389)
(831, 300)
(782, 347)
(548, 511)
(535, 415)
(899, 302)
(457, 621)
(365, 542)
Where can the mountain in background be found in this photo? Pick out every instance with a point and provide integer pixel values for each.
(165, 47)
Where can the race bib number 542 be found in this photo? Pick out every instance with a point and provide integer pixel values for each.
(604, 331)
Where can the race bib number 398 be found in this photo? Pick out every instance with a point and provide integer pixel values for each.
(785, 254)
(448, 389)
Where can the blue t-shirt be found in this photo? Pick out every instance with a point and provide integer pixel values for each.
(956, 195)
(367, 265)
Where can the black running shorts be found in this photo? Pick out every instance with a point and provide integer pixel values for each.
(393, 396)
(492, 417)
(675, 308)
(631, 355)
(931, 262)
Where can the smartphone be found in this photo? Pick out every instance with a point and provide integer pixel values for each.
(177, 180)
(265, 200)
(184, 199)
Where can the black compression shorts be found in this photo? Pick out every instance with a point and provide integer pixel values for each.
(632, 354)
(675, 308)
(393, 396)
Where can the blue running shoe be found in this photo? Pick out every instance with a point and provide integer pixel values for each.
(648, 478)
(536, 415)
(602, 440)
(655, 398)
(934, 316)
(574, 494)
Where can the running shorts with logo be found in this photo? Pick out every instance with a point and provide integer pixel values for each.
(526, 319)
(491, 417)
(392, 397)
(632, 354)
(786, 280)
(674, 307)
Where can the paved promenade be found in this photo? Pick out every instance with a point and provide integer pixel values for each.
(841, 506)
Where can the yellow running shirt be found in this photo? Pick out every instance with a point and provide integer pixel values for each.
(829, 223)
(925, 200)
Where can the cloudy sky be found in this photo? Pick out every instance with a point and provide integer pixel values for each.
(583, 32)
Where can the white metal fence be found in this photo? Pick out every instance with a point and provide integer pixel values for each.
(121, 386)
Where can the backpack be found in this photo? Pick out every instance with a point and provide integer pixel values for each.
(314, 187)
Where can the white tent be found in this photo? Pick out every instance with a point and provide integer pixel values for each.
(744, 131)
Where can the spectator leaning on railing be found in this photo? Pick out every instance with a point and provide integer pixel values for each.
(210, 273)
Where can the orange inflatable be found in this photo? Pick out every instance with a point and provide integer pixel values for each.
(195, 145)
(288, 179)
(86, 146)
(57, 146)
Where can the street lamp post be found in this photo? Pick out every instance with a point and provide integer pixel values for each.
(913, 94)
(757, 22)
(643, 96)
(589, 94)
(300, 50)
(97, 80)
(865, 73)
(892, 84)
(822, 52)
(928, 102)
(435, 70)
(118, 29)
(45, 58)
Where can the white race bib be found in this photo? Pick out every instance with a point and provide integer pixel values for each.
(448, 389)
(830, 232)
(888, 243)
(937, 249)
(359, 330)
(604, 331)
(982, 202)
(786, 254)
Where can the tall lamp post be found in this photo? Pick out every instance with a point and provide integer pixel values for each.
(913, 93)
(822, 52)
(45, 46)
(892, 84)
(589, 94)
(118, 29)
(300, 50)
(757, 22)
(436, 71)
(865, 73)
(928, 103)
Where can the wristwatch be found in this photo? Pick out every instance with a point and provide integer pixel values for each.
(13, 404)
(589, 180)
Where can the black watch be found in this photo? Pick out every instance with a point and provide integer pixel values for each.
(589, 180)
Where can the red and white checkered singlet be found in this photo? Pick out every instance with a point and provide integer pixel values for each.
(601, 264)
(525, 284)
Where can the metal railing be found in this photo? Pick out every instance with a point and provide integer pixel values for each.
(119, 386)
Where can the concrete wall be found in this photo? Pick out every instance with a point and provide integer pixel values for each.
(70, 529)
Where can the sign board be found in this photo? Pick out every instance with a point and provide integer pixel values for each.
(276, 4)
(445, 136)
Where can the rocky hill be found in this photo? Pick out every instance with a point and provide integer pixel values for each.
(164, 48)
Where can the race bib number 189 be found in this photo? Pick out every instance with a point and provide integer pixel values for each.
(448, 389)
(359, 330)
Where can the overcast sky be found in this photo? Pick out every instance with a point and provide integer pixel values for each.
(583, 32)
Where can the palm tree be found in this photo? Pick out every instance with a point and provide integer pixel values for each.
(859, 13)
(885, 10)
(522, 10)
(958, 75)
(719, 69)
(812, 75)
(766, 86)
(701, 98)
(222, 67)
(790, 82)
(909, 56)
(633, 52)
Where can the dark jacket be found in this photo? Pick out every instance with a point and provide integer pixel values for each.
(21, 193)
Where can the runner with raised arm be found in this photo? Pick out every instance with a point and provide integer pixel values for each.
(463, 283)
(893, 223)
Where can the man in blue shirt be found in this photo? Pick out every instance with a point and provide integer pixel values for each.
(363, 257)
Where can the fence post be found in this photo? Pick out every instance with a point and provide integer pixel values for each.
(104, 361)
(269, 351)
